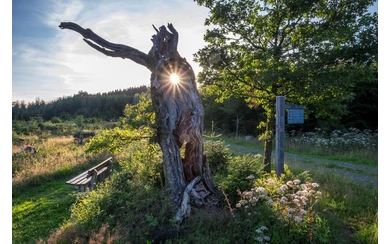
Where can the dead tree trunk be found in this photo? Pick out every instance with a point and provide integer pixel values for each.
(179, 113)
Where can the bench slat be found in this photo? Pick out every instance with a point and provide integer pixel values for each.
(75, 179)
(88, 179)
(102, 164)
(84, 178)
(85, 181)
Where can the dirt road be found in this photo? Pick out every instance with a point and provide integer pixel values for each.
(363, 174)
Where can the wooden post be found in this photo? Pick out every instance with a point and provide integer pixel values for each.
(280, 121)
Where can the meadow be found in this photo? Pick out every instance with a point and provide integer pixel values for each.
(254, 207)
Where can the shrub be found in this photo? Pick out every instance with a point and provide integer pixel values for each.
(241, 172)
(218, 155)
(56, 120)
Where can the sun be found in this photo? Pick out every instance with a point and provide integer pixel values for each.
(175, 78)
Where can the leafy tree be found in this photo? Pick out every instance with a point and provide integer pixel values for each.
(107, 106)
(222, 116)
(313, 52)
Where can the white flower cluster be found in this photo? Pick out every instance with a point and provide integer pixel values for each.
(296, 198)
(253, 196)
(260, 236)
(354, 138)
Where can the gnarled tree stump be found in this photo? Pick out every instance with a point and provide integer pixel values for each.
(179, 113)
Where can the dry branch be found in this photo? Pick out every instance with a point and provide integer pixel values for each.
(114, 50)
(179, 114)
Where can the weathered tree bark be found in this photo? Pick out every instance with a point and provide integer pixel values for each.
(179, 113)
(268, 143)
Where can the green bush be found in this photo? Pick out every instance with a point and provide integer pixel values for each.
(241, 172)
(125, 202)
(143, 160)
(218, 156)
(56, 120)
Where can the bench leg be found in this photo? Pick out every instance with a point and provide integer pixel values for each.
(108, 171)
(82, 188)
(93, 180)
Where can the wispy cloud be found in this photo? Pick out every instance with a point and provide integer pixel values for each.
(65, 64)
(60, 10)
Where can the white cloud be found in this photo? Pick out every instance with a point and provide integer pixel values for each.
(75, 66)
(61, 10)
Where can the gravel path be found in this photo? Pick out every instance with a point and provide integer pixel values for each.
(363, 174)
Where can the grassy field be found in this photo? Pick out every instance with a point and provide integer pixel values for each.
(46, 210)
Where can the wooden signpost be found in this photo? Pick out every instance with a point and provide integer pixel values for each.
(295, 115)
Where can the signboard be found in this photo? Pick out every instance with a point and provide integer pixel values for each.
(295, 116)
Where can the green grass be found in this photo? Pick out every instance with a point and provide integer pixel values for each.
(124, 209)
(38, 210)
(357, 157)
(351, 209)
(364, 157)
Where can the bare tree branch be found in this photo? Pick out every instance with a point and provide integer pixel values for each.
(165, 42)
(179, 114)
(108, 48)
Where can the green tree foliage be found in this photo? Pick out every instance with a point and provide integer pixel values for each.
(137, 124)
(141, 113)
(363, 111)
(221, 117)
(107, 106)
(312, 52)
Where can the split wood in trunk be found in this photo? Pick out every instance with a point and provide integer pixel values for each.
(179, 114)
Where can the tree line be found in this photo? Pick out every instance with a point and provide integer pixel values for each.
(106, 106)
(230, 116)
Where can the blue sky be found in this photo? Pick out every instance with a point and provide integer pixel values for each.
(48, 62)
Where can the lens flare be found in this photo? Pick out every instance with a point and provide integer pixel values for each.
(174, 78)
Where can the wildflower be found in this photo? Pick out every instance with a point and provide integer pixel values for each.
(261, 190)
(250, 177)
(259, 230)
(315, 185)
(270, 201)
(243, 202)
(259, 239)
(303, 198)
(318, 194)
(263, 228)
(238, 205)
(302, 211)
(266, 238)
(296, 182)
(289, 216)
(247, 194)
(291, 210)
(296, 201)
(298, 219)
(282, 188)
(270, 182)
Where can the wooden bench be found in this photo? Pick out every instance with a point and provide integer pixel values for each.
(89, 178)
